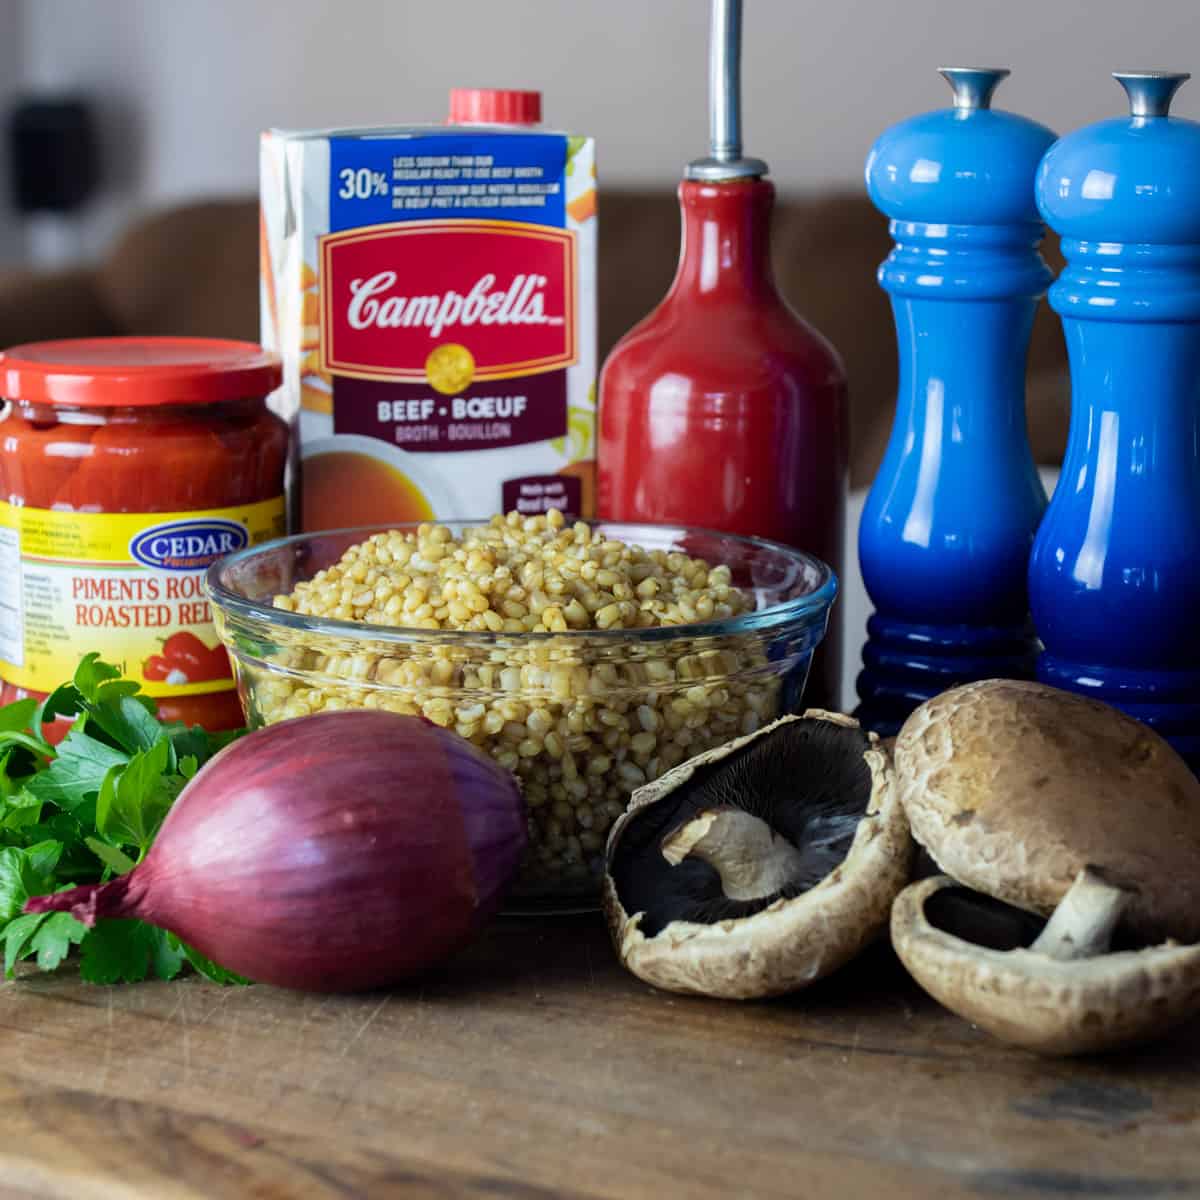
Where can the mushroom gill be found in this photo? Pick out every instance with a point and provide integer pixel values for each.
(760, 866)
(766, 822)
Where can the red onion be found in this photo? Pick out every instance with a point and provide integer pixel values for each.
(330, 853)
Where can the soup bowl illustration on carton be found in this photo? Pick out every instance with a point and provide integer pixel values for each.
(350, 480)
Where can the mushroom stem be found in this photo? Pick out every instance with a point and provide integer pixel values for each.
(751, 858)
(1082, 924)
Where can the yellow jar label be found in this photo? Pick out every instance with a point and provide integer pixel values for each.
(129, 585)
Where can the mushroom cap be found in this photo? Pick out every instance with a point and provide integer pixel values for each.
(1047, 1005)
(1014, 787)
(793, 941)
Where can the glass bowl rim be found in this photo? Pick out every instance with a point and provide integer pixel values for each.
(809, 605)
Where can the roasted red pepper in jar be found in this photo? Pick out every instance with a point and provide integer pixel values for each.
(128, 466)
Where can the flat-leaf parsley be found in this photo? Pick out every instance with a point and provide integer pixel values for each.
(86, 811)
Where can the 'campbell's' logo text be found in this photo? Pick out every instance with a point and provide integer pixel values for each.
(505, 290)
(523, 302)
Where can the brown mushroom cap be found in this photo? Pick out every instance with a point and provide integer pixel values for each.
(794, 940)
(1014, 787)
(1044, 1004)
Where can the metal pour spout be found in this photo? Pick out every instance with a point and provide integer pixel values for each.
(973, 86)
(725, 160)
(1150, 92)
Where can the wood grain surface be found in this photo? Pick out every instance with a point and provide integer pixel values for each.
(534, 1067)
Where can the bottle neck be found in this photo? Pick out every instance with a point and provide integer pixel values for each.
(726, 246)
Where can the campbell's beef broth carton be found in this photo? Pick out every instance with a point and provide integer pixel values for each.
(431, 290)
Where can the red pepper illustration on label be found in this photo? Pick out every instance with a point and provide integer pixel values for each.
(186, 659)
(156, 668)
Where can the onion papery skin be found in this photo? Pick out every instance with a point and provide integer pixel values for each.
(338, 852)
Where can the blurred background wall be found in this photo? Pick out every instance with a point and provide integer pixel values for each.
(13, 58)
(182, 87)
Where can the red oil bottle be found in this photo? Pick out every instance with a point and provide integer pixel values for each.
(723, 408)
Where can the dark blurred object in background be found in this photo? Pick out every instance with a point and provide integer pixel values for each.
(53, 154)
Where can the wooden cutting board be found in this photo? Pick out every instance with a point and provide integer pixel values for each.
(535, 1067)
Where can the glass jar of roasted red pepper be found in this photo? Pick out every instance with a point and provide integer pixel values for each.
(128, 466)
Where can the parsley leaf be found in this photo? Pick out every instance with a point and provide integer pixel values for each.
(124, 717)
(116, 860)
(193, 743)
(72, 781)
(129, 951)
(17, 716)
(17, 935)
(116, 952)
(76, 864)
(12, 737)
(116, 705)
(24, 873)
(168, 955)
(53, 939)
(14, 882)
(64, 701)
(91, 674)
(18, 809)
(206, 966)
(134, 798)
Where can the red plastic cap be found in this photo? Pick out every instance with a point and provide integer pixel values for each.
(137, 371)
(494, 106)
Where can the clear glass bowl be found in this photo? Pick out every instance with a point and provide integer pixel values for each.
(587, 716)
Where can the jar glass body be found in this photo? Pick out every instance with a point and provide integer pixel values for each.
(65, 468)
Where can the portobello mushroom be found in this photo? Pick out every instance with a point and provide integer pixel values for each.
(758, 867)
(1058, 807)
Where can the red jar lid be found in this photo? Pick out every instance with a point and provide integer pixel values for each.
(494, 106)
(137, 371)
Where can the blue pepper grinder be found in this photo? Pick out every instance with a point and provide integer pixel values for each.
(1114, 579)
(948, 524)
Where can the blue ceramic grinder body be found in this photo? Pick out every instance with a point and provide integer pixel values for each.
(948, 524)
(1114, 579)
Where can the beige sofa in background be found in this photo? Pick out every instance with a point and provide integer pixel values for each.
(193, 270)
